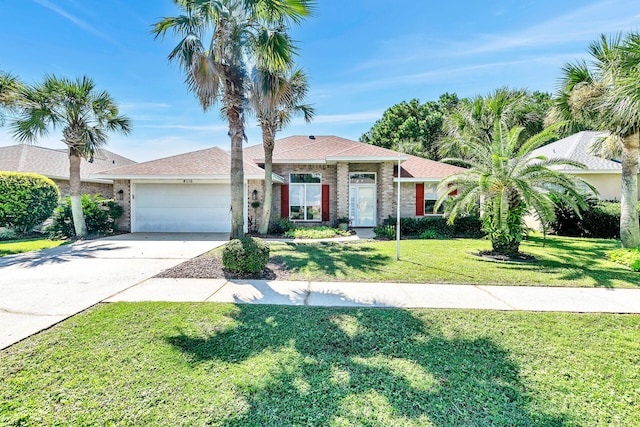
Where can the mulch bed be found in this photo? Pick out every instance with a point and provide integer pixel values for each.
(495, 256)
(208, 267)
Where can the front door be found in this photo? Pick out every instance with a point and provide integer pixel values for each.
(362, 200)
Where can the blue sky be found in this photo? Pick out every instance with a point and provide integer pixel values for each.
(362, 57)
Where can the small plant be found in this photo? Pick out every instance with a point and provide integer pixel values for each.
(628, 257)
(8, 235)
(430, 235)
(280, 225)
(245, 255)
(386, 231)
(322, 232)
(100, 216)
(26, 200)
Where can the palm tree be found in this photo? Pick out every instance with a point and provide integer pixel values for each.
(85, 116)
(240, 31)
(9, 92)
(275, 98)
(509, 183)
(606, 96)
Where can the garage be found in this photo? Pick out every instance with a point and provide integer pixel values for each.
(186, 208)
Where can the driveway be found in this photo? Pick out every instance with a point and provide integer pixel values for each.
(39, 289)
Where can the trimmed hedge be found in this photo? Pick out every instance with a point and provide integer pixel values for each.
(601, 220)
(245, 255)
(26, 200)
(433, 227)
(100, 216)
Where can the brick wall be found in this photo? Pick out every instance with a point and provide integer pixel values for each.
(105, 190)
(124, 222)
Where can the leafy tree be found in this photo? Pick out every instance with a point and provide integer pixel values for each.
(85, 116)
(606, 96)
(26, 200)
(476, 117)
(508, 182)
(9, 92)
(275, 98)
(412, 127)
(220, 42)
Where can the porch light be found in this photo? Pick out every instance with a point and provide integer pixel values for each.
(120, 194)
(254, 195)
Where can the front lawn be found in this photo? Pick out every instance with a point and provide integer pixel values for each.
(561, 261)
(20, 246)
(168, 364)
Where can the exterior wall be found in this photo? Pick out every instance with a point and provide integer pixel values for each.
(124, 222)
(105, 190)
(255, 214)
(386, 200)
(408, 200)
(329, 176)
(609, 185)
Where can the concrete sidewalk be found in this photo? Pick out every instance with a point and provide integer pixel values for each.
(401, 295)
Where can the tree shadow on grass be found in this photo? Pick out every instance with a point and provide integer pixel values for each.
(363, 367)
(341, 260)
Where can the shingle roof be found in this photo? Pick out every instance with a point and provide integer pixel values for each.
(211, 162)
(418, 167)
(55, 163)
(576, 148)
(319, 149)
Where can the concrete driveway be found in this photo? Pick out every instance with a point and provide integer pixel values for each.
(39, 289)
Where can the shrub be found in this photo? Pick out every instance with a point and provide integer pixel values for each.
(386, 231)
(469, 226)
(430, 234)
(322, 232)
(628, 257)
(245, 255)
(8, 235)
(280, 225)
(26, 200)
(601, 220)
(100, 215)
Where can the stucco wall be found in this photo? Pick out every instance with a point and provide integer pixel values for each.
(607, 184)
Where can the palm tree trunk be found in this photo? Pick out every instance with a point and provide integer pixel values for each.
(236, 133)
(629, 228)
(76, 197)
(268, 141)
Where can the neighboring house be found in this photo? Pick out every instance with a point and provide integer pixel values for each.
(316, 181)
(54, 164)
(604, 174)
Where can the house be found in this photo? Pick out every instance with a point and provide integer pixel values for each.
(54, 164)
(604, 174)
(317, 179)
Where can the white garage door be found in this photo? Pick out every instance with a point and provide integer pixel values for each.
(182, 208)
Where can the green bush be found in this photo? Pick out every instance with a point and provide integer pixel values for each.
(322, 232)
(469, 226)
(628, 257)
(100, 216)
(386, 231)
(245, 255)
(26, 200)
(280, 225)
(601, 220)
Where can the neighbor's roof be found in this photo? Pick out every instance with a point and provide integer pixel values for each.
(416, 168)
(55, 163)
(210, 163)
(321, 149)
(576, 148)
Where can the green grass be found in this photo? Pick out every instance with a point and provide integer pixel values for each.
(20, 246)
(628, 257)
(171, 364)
(561, 261)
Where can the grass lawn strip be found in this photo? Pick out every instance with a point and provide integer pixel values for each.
(20, 246)
(561, 261)
(171, 364)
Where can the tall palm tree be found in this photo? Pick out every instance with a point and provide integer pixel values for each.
(220, 40)
(510, 183)
(606, 96)
(84, 114)
(9, 94)
(275, 98)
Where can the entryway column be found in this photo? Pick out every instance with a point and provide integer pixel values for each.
(342, 185)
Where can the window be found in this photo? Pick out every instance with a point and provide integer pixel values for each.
(430, 198)
(305, 196)
(362, 178)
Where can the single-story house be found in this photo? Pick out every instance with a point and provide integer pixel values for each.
(316, 180)
(604, 174)
(54, 164)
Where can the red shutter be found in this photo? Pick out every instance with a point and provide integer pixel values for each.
(453, 193)
(325, 202)
(284, 201)
(420, 199)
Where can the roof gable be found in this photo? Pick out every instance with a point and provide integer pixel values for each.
(576, 149)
